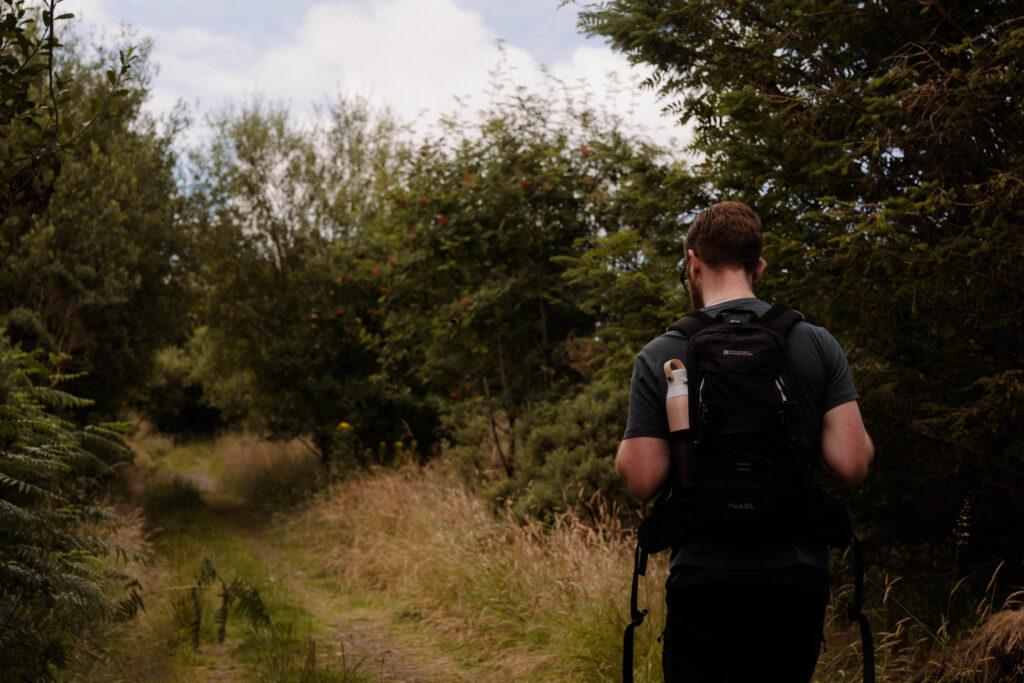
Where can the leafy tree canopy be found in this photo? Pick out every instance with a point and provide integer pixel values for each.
(288, 301)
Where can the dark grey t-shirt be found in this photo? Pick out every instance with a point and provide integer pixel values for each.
(823, 381)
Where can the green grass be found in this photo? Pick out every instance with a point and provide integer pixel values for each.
(192, 528)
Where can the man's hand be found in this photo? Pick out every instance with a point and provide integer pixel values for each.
(644, 463)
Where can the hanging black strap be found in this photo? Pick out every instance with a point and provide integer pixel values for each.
(636, 616)
(854, 613)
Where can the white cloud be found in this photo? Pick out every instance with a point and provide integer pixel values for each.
(416, 55)
(92, 11)
(614, 84)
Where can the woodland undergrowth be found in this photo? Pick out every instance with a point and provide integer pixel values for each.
(518, 600)
(496, 597)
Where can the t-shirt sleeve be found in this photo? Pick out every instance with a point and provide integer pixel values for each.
(646, 403)
(839, 386)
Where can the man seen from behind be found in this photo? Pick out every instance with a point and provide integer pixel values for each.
(750, 610)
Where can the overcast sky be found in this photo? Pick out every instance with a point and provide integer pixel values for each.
(415, 55)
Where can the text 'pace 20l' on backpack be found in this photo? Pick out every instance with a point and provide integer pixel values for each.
(752, 470)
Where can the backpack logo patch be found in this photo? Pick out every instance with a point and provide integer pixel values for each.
(737, 352)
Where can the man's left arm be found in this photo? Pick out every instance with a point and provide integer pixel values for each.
(846, 448)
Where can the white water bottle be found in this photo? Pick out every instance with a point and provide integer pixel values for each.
(677, 398)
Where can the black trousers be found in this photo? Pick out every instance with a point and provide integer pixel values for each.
(742, 631)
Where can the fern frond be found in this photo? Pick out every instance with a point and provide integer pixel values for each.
(221, 617)
(130, 606)
(55, 398)
(27, 460)
(24, 487)
(250, 603)
(11, 513)
(104, 441)
(15, 574)
(207, 573)
(197, 618)
(51, 567)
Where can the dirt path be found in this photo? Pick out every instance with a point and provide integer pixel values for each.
(361, 639)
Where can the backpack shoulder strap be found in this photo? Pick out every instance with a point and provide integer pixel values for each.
(692, 323)
(780, 318)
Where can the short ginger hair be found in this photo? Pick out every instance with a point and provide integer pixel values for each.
(726, 235)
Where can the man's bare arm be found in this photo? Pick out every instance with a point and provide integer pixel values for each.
(846, 448)
(643, 462)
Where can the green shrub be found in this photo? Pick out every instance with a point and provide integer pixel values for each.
(53, 587)
(567, 455)
(173, 399)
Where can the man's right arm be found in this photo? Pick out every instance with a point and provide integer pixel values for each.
(846, 448)
(644, 463)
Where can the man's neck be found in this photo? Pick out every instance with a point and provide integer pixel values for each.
(714, 301)
(727, 288)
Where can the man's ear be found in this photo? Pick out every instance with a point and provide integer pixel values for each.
(693, 259)
(759, 270)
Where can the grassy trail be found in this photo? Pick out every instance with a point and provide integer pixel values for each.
(404, 575)
(394, 575)
(318, 629)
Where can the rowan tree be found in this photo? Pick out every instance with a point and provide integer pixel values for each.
(288, 304)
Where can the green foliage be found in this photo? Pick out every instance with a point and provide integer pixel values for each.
(630, 279)
(482, 233)
(35, 124)
(289, 306)
(104, 266)
(52, 584)
(480, 277)
(567, 455)
(94, 272)
(172, 398)
(881, 144)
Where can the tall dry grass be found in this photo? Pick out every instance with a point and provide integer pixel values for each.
(985, 646)
(515, 601)
(510, 601)
(506, 600)
(998, 644)
(274, 473)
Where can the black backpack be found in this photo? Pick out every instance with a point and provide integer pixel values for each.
(752, 469)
